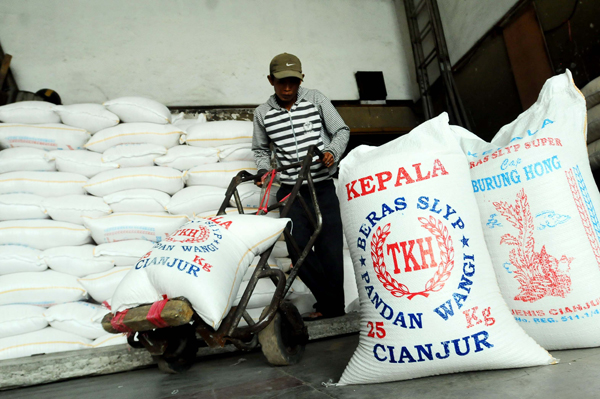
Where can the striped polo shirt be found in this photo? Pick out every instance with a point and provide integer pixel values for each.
(312, 120)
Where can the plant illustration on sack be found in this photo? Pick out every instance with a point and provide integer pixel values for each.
(539, 273)
(442, 272)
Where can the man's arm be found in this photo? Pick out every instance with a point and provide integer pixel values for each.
(260, 143)
(335, 126)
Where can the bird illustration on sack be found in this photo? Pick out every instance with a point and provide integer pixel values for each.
(539, 273)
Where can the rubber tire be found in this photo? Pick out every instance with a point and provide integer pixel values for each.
(273, 345)
(172, 366)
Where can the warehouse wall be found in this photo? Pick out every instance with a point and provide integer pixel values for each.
(467, 21)
(200, 52)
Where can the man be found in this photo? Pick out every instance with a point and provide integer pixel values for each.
(293, 119)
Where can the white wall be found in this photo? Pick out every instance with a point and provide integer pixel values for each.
(200, 52)
(467, 21)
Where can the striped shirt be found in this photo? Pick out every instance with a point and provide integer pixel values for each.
(312, 120)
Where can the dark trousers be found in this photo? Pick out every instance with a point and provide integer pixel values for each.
(323, 269)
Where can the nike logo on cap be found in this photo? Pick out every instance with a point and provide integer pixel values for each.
(286, 64)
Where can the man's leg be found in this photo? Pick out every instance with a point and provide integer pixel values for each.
(330, 245)
(311, 271)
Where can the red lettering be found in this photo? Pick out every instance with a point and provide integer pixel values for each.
(393, 248)
(420, 177)
(408, 256)
(381, 179)
(427, 252)
(487, 318)
(437, 166)
(351, 191)
(365, 185)
(403, 174)
(472, 319)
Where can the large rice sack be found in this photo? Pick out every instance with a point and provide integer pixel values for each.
(48, 136)
(84, 162)
(25, 159)
(21, 319)
(204, 261)
(29, 112)
(168, 180)
(45, 288)
(45, 184)
(134, 133)
(538, 203)
(218, 133)
(196, 199)
(218, 175)
(124, 253)
(121, 226)
(81, 318)
(72, 208)
(109, 340)
(91, 117)
(138, 200)
(101, 286)
(133, 155)
(22, 206)
(184, 157)
(47, 340)
(42, 234)
(139, 109)
(19, 259)
(236, 152)
(429, 300)
(77, 261)
(251, 196)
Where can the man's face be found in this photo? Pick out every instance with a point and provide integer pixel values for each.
(286, 89)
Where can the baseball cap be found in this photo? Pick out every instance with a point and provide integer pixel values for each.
(285, 65)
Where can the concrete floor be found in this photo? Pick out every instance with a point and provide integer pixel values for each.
(242, 375)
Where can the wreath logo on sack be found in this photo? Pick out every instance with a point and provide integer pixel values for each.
(193, 235)
(444, 269)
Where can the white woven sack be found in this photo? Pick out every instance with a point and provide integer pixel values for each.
(204, 262)
(77, 261)
(109, 340)
(47, 340)
(539, 203)
(284, 263)
(48, 136)
(122, 226)
(84, 162)
(271, 262)
(184, 157)
(124, 253)
(138, 200)
(101, 286)
(134, 133)
(167, 180)
(184, 123)
(42, 234)
(25, 159)
(81, 318)
(218, 175)
(19, 259)
(236, 152)
(45, 288)
(91, 117)
(196, 199)
(21, 319)
(139, 109)
(218, 133)
(22, 206)
(251, 196)
(429, 300)
(72, 208)
(45, 184)
(133, 155)
(233, 211)
(280, 250)
(29, 112)
(351, 300)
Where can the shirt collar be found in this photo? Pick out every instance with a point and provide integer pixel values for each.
(273, 99)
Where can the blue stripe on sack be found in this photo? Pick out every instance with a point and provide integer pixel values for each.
(588, 201)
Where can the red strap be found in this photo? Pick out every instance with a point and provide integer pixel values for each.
(264, 202)
(105, 303)
(117, 322)
(155, 311)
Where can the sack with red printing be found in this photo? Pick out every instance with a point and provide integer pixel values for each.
(539, 209)
(429, 300)
(204, 261)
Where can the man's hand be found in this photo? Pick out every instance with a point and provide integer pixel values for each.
(328, 159)
(261, 177)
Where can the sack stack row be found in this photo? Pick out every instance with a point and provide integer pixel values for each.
(85, 191)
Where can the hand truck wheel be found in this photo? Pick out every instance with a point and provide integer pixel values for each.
(283, 341)
(180, 353)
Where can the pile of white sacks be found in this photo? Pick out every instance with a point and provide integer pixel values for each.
(88, 189)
